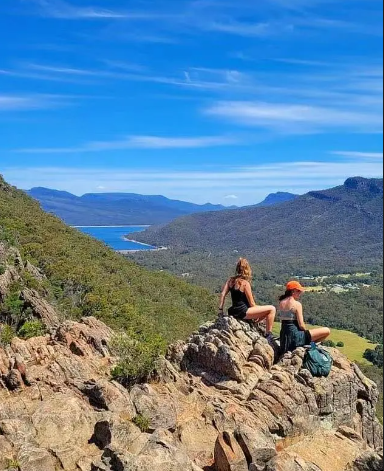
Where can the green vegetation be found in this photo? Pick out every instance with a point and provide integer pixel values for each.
(85, 278)
(138, 356)
(7, 334)
(13, 465)
(142, 422)
(340, 226)
(30, 329)
(375, 356)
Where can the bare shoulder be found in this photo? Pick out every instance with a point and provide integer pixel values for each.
(247, 285)
(298, 305)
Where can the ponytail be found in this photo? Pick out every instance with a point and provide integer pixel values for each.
(288, 294)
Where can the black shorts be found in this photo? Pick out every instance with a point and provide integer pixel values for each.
(239, 312)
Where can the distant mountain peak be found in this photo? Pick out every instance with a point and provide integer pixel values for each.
(40, 191)
(371, 185)
(277, 198)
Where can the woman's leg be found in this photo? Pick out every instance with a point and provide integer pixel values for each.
(259, 313)
(319, 335)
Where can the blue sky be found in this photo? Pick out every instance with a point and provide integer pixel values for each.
(221, 101)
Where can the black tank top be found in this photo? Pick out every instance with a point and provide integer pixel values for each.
(239, 298)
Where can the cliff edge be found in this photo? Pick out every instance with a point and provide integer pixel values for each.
(219, 401)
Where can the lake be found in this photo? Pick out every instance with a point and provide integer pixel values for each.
(114, 236)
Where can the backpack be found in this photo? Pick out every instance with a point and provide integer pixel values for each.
(319, 362)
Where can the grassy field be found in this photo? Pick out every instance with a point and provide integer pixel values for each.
(355, 346)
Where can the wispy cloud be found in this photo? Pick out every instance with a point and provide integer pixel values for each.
(139, 142)
(241, 28)
(292, 118)
(31, 102)
(61, 9)
(359, 155)
(248, 184)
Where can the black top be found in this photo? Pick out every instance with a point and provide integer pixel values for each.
(239, 298)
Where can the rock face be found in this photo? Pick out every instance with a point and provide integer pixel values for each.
(221, 402)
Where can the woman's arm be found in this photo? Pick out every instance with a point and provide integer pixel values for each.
(248, 292)
(224, 294)
(300, 316)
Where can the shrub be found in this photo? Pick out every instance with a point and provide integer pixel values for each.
(375, 356)
(142, 422)
(329, 343)
(13, 465)
(30, 329)
(138, 357)
(12, 308)
(7, 334)
(2, 270)
(340, 344)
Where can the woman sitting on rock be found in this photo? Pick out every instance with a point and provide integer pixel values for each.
(243, 302)
(294, 333)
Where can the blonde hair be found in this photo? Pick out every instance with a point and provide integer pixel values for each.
(243, 271)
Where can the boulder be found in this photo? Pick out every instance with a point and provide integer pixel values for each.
(258, 447)
(158, 410)
(368, 461)
(228, 454)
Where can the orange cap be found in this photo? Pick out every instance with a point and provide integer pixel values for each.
(295, 286)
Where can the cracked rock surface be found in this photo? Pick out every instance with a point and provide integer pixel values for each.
(222, 401)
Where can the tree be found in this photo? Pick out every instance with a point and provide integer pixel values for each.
(375, 356)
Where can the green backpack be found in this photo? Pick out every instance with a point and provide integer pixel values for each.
(319, 362)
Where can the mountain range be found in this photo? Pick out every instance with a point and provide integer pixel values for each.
(109, 209)
(103, 209)
(346, 221)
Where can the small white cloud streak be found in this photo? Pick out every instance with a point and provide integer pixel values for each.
(139, 142)
(296, 118)
(61, 9)
(249, 184)
(32, 102)
(359, 155)
(254, 30)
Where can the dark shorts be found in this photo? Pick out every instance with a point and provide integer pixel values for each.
(292, 337)
(239, 312)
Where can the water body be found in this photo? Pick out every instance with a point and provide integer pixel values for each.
(114, 236)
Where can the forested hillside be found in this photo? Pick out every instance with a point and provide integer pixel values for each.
(341, 226)
(85, 278)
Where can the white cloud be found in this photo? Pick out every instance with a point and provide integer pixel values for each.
(359, 155)
(61, 9)
(296, 118)
(31, 102)
(231, 197)
(139, 142)
(241, 28)
(249, 184)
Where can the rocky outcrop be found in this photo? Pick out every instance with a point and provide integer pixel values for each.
(13, 269)
(220, 402)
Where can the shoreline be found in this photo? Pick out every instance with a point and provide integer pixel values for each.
(139, 243)
(151, 249)
(106, 227)
(127, 252)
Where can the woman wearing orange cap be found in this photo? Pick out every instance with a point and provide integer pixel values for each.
(243, 303)
(294, 333)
